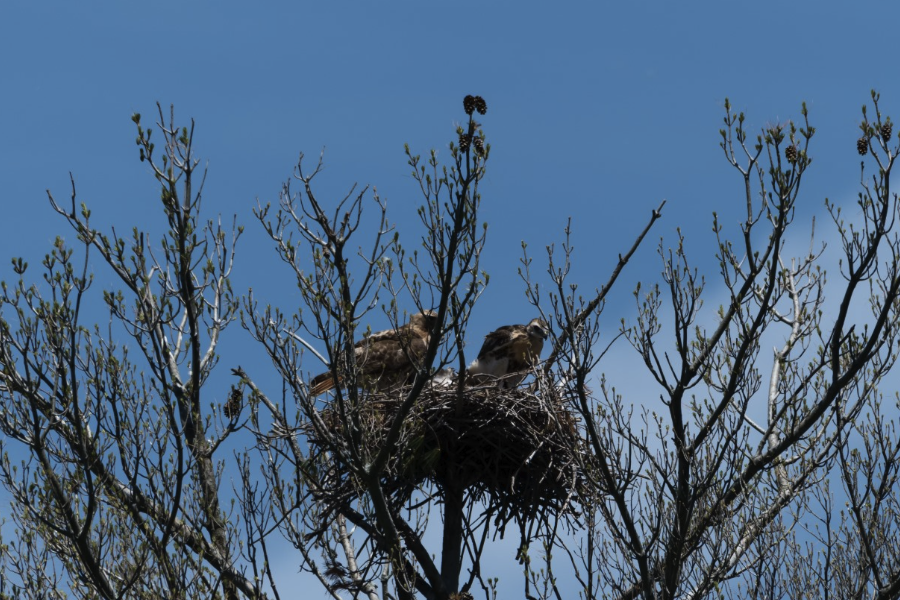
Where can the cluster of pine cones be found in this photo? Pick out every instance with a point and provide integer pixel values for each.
(471, 104)
(862, 144)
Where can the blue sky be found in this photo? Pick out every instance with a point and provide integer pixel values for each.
(596, 111)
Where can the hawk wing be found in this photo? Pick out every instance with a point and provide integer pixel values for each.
(388, 358)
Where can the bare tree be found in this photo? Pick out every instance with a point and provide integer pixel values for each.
(352, 470)
(119, 495)
(707, 492)
(727, 485)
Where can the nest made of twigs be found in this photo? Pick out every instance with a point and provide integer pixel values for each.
(520, 448)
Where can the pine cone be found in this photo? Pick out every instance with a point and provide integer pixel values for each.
(235, 403)
(469, 104)
(479, 145)
(886, 131)
(480, 105)
(790, 153)
(862, 146)
(464, 141)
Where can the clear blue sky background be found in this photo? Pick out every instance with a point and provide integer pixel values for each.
(596, 111)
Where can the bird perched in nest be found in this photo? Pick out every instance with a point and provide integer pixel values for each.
(508, 353)
(386, 358)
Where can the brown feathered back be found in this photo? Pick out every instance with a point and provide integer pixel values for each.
(387, 358)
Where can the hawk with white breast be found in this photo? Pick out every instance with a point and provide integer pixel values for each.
(509, 353)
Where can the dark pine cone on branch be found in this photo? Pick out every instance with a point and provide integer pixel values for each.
(790, 153)
(235, 403)
(469, 104)
(862, 146)
(472, 103)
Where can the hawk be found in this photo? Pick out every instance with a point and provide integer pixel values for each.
(510, 350)
(387, 358)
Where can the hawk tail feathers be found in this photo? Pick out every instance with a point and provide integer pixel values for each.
(321, 384)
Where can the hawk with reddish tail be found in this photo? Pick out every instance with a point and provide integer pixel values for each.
(387, 358)
(509, 353)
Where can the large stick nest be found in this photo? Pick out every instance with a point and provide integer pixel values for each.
(519, 449)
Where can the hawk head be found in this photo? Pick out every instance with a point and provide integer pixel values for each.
(424, 320)
(538, 328)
